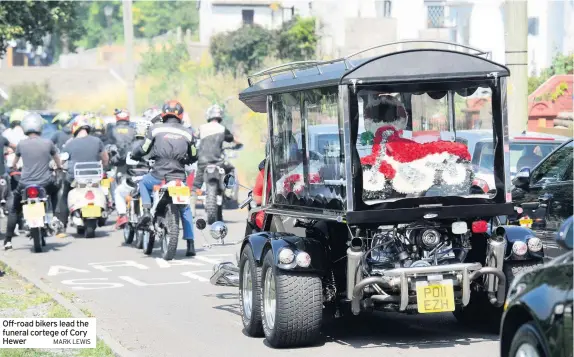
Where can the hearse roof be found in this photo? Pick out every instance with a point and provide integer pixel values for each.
(415, 65)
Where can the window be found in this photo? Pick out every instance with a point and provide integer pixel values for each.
(555, 168)
(435, 16)
(533, 26)
(383, 8)
(326, 169)
(287, 151)
(247, 17)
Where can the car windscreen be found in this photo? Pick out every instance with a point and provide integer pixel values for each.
(522, 154)
(325, 140)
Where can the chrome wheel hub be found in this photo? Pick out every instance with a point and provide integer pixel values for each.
(527, 350)
(269, 298)
(247, 290)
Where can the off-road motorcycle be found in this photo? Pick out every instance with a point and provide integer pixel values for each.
(216, 193)
(168, 198)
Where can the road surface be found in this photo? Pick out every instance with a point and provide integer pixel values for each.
(158, 308)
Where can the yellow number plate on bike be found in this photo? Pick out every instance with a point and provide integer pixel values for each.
(91, 212)
(526, 222)
(435, 296)
(34, 211)
(178, 191)
(106, 183)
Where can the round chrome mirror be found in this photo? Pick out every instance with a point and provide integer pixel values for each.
(218, 230)
(200, 224)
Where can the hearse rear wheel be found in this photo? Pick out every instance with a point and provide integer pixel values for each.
(292, 306)
(250, 293)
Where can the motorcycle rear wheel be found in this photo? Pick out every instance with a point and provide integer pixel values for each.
(212, 209)
(36, 234)
(171, 236)
(90, 226)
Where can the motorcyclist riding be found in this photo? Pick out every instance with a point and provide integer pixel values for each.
(99, 128)
(212, 135)
(15, 132)
(171, 146)
(64, 132)
(36, 153)
(124, 189)
(122, 136)
(81, 148)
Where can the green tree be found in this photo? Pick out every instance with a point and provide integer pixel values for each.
(561, 64)
(29, 96)
(297, 40)
(241, 51)
(32, 20)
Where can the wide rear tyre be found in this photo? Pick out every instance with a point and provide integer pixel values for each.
(171, 236)
(250, 293)
(212, 209)
(292, 306)
(129, 233)
(91, 225)
(36, 234)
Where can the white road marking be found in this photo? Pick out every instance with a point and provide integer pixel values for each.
(108, 285)
(141, 283)
(61, 269)
(193, 275)
(168, 264)
(212, 261)
(116, 264)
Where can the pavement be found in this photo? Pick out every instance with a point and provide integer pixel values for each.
(153, 307)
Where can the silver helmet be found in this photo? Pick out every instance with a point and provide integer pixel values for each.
(32, 123)
(214, 112)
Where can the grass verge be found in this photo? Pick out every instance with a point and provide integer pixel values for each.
(20, 299)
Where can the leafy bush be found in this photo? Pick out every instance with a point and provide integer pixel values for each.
(29, 96)
(561, 64)
(296, 40)
(241, 51)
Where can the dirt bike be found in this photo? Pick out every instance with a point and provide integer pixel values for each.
(167, 200)
(216, 192)
(86, 200)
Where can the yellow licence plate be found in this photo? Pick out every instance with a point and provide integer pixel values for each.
(178, 191)
(524, 222)
(34, 211)
(91, 212)
(435, 297)
(106, 183)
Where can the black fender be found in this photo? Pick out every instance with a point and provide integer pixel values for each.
(217, 175)
(262, 242)
(520, 234)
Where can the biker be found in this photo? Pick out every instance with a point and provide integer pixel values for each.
(36, 153)
(171, 146)
(99, 128)
(63, 133)
(81, 148)
(124, 189)
(210, 151)
(15, 133)
(122, 136)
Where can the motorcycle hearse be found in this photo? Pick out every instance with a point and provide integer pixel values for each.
(387, 217)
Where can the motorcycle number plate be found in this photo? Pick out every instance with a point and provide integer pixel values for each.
(179, 194)
(34, 214)
(106, 183)
(435, 296)
(526, 222)
(91, 212)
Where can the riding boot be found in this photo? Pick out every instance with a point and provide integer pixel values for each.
(190, 248)
(146, 218)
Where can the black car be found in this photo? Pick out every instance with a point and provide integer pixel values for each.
(545, 192)
(537, 320)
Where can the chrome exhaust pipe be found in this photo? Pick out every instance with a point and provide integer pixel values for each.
(354, 255)
(496, 251)
(498, 299)
(225, 274)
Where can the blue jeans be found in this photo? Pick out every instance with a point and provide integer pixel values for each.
(146, 188)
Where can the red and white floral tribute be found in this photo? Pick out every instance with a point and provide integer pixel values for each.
(410, 167)
(293, 181)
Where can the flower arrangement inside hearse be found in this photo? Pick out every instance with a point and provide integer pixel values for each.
(401, 165)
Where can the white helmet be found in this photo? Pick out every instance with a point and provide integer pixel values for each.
(150, 113)
(32, 123)
(142, 127)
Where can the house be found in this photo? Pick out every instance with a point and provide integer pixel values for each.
(216, 16)
(553, 99)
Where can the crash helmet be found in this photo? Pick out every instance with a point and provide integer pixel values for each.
(142, 127)
(62, 118)
(32, 123)
(122, 115)
(172, 109)
(16, 116)
(151, 113)
(81, 122)
(214, 112)
(98, 124)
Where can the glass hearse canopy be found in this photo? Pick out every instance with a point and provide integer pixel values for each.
(382, 139)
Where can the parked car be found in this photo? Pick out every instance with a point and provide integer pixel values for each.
(538, 311)
(544, 192)
(526, 150)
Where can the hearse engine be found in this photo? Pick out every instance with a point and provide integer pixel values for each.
(413, 245)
